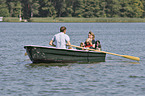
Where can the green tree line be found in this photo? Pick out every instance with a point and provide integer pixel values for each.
(72, 8)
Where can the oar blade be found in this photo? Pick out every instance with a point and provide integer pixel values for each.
(131, 57)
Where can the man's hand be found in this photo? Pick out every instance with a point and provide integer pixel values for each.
(51, 43)
(68, 43)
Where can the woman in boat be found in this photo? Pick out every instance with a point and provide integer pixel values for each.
(98, 45)
(92, 37)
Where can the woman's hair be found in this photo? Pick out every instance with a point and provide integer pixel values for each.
(99, 46)
(97, 41)
(92, 34)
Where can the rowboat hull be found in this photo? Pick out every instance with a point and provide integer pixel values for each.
(43, 54)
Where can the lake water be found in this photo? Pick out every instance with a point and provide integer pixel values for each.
(116, 76)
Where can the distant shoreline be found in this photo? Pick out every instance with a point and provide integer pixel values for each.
(75, 20)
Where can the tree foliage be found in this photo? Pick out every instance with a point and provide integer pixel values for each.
(72, 8)
(3, 9)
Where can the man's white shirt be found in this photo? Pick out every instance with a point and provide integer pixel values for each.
(60, 40)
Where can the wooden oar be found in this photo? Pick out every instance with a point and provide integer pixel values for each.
(125, 56)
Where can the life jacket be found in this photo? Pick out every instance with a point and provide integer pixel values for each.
(88, 46)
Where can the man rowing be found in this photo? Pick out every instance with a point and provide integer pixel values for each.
(60, 40)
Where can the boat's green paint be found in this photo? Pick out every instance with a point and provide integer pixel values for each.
(43, 54)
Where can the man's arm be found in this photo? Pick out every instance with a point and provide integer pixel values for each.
(51, 43)
(68, 43)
